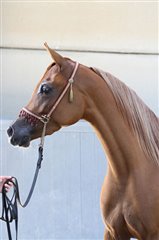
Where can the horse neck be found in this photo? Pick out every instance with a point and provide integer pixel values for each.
(119, 143)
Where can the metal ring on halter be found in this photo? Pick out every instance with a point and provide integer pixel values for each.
(44, 118)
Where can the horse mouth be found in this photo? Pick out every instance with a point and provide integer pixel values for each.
(23, 142)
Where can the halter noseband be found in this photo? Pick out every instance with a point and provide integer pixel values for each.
(33, 119)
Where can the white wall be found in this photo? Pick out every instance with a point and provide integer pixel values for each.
(112, 26)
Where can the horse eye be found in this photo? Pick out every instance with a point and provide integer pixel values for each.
(45, 89)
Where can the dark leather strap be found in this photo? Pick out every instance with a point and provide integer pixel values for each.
(9, 205)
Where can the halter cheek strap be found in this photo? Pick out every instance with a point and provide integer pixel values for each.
(33, 119)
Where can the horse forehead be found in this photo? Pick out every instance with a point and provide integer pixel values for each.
(52, 72)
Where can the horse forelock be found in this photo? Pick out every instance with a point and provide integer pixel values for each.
(143, 122)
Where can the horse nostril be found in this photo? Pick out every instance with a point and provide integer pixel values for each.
(10, 131)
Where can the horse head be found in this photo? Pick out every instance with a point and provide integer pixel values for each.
(56, 81)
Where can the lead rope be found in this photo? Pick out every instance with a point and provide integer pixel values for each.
(10, 205)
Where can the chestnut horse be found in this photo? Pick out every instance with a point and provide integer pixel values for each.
(127, 128)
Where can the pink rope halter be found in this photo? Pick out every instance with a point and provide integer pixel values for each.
(33, 118)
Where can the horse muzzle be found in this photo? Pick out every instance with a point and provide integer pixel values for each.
(20, 134)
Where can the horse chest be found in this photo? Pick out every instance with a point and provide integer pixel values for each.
(119, 214)
(120, 221)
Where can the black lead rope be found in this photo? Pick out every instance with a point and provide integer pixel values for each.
(10, 205)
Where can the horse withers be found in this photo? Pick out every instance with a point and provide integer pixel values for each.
(127, 128)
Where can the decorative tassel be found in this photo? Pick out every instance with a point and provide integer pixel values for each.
(71, 91)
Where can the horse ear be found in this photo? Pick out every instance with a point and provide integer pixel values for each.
(55, 56)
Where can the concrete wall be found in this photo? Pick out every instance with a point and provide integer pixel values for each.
(118, 37)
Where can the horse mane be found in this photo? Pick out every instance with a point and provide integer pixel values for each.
(143, 122)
